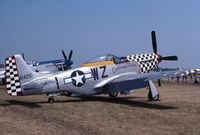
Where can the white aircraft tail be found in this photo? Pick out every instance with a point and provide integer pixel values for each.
(17, 73)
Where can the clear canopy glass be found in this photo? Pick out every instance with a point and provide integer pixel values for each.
(108, 57)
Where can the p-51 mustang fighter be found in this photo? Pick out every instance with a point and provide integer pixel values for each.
(52, 66)
(106, 74)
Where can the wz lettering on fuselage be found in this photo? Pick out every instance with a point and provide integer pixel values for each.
(26, 76)
(95, 72)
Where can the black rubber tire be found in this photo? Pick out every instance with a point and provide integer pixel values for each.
(150, 96)
(51, 100)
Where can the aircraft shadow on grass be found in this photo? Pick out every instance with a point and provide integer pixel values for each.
(21, 103)
(119, 100)
(126, 101)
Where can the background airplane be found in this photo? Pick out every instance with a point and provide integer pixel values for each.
(106, 74)
(46, 67)
(194, 73)
(53, 66)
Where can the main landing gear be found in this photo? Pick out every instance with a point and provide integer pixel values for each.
(153, 94)
(113, 95)
(151, 98)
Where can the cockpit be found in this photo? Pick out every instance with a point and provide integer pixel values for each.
(108, 59)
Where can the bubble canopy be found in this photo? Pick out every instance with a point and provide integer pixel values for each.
(104, 58)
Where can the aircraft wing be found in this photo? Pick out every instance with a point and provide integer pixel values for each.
(133, 80)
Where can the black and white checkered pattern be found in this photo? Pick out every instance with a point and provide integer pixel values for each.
(13, 84)
(146, 61)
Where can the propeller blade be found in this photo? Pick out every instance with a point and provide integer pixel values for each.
(64, 55)
(70, 54)
(154, 43)
(170, 58)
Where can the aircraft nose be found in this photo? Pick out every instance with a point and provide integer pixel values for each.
(159, 58)
(169, 58)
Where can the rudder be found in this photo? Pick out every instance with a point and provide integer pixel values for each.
(13, 84)
(17, 73)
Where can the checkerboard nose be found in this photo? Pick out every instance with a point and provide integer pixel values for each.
(147, 62)
(12, 80)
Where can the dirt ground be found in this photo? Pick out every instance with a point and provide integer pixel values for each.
(178, 112)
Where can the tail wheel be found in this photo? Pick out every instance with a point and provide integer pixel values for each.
(51, 100)
(113, 95)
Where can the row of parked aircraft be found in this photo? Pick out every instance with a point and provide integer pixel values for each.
(106, 74)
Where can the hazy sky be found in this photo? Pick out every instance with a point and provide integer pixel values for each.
(42, 28)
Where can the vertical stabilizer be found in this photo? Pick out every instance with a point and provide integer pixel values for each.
(17, 73)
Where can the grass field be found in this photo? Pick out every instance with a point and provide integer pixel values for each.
(178, 112)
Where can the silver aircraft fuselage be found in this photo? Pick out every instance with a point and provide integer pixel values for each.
(82, 80)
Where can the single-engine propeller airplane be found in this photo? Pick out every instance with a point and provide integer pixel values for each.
(106, 74)
(46, 67)
(53, 66)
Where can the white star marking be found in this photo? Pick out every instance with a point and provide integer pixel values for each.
(78, 78)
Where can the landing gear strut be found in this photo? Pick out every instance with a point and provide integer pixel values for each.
(51, 100)
(153, 94)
